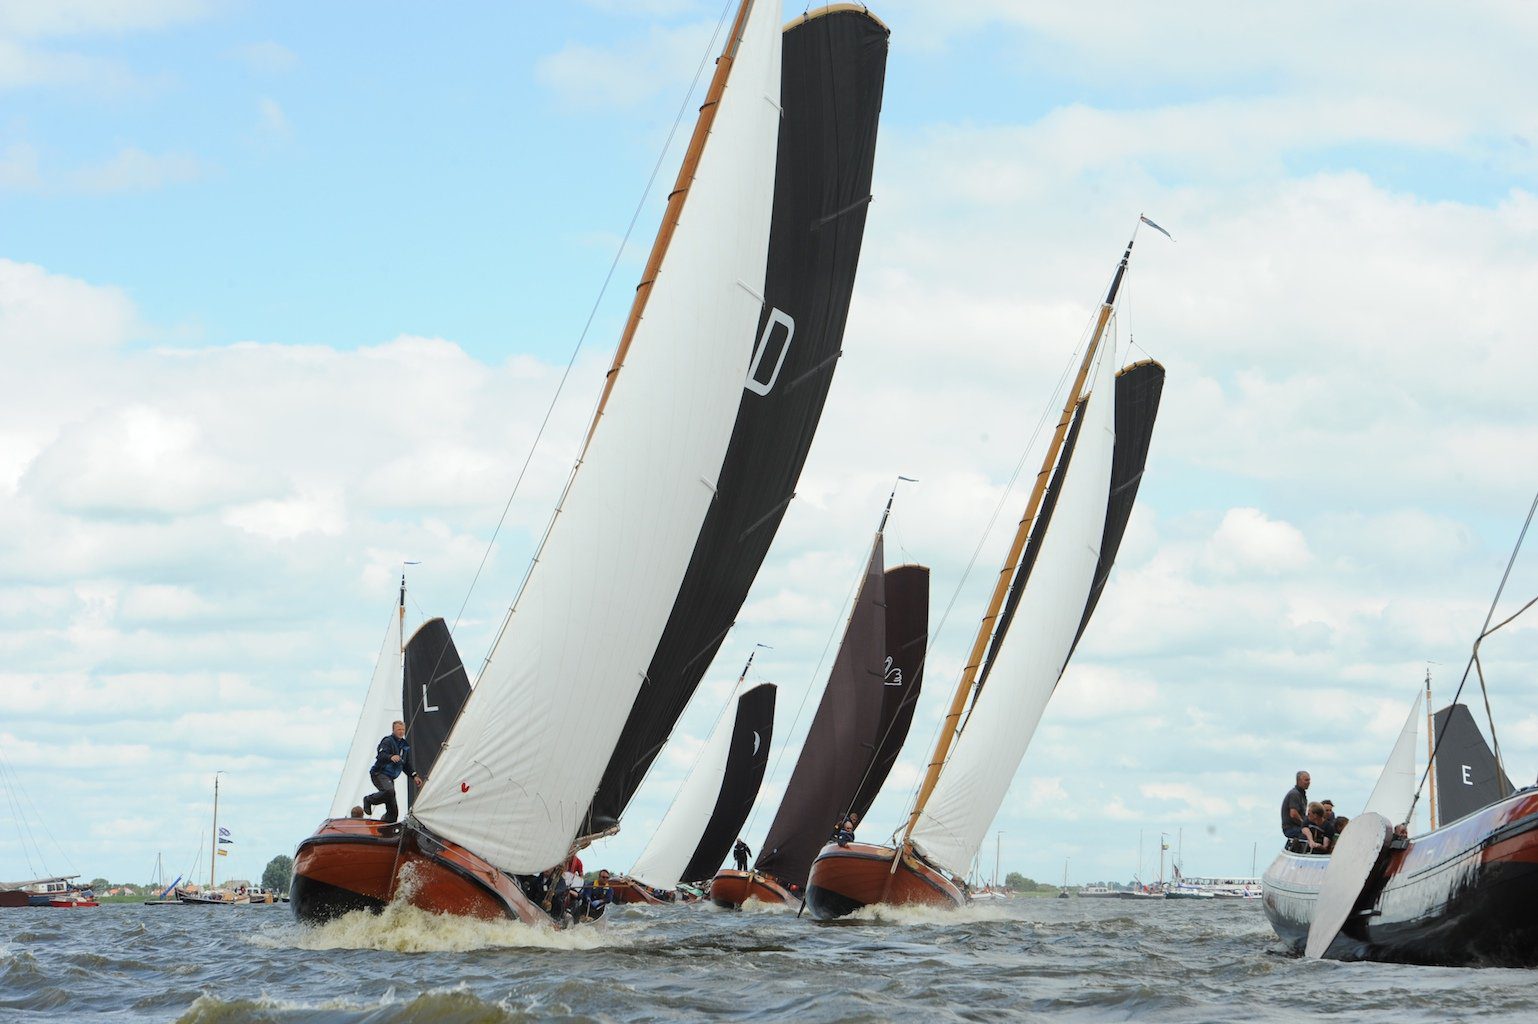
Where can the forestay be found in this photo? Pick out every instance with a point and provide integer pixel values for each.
(1394, 794)
(1026, 666)
(525, 757)
(381, 707)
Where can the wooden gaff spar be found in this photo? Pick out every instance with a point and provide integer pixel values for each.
(509, 792)
(1056, 568)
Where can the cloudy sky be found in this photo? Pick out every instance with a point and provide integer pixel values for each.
(285, 291)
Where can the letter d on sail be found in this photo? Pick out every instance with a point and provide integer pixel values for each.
(756, 383)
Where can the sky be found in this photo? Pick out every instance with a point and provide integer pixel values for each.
(285, 292)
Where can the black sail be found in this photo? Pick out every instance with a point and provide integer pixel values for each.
(1138, 389)
(907, 634)
(1468, 778)
(841, 742)
(831, 83)
(433, 690)
(746, 759)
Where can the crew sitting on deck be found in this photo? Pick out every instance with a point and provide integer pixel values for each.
(1329, 816)
(592, 898)
(1294, 805)
(843, 832)
(1318, 836)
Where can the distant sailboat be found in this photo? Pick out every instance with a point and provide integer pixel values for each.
(716, 797)
(859, 726)
(512, 793)
(1052, 579)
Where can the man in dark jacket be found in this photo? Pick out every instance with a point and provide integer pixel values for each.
(392, 758)
(1295, 808)
(740, 855)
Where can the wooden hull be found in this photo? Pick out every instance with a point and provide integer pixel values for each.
(846, 878)
(359, 864)
(628, 890)
(1464, 895)
(731, 889)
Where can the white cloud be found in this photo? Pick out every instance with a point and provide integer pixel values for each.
(628, 75)
(267, 57)
(131, 169)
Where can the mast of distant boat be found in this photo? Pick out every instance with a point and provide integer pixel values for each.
(1431, 753)
(965, 685)
(213, 854)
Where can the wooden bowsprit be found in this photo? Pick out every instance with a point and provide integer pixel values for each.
(1354, 864)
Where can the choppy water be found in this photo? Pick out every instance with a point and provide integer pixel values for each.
(1068, 960)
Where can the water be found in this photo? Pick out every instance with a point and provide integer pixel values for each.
(1046, 959)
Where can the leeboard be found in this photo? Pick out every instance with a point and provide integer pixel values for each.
(1352, 865)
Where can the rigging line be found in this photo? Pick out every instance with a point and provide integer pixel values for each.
(43, 824)
(1047, 412)
(21, 834)
(587, 325)
(1500, 766)
(1474, 653)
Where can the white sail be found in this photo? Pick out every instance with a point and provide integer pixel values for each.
(1035, 650)
(521, 765)
(670, 848)
(1394, 794)
(381, 707)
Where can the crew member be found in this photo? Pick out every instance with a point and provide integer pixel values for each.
(1295, 807)
(593, 898)
(392, 758)
(843, 832)
(740, 855)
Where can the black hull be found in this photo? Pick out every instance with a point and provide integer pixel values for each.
(316, 902)
(1463, 896)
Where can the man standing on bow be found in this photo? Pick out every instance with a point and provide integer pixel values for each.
(392, 758)
(740, 854)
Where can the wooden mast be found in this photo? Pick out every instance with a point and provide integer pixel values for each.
(675, 206)
(1012, 560)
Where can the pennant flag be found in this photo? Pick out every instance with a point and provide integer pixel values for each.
(1156, 227)
(223, 841)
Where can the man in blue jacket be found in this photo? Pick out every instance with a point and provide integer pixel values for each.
(393, 757)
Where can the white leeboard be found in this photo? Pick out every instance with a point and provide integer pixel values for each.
(1351, 867)
(1394, 794)
(518, 772)
(670, 848)
(1026, 669)
(381, 707)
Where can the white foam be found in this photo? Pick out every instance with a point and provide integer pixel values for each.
(402, 928)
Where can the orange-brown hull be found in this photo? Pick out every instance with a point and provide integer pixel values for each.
(845, 878)
(628, 890)
(360, 864)
(732, 888)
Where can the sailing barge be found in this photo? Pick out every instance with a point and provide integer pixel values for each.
(1052, 578)
(709, 410)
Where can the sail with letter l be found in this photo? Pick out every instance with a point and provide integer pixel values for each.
(511, 784)
(834, 62)
(434, 687)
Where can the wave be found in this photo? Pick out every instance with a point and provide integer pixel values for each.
(402, 928)
(455, 1006)
(912, 913)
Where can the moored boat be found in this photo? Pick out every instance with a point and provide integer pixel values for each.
(1052, 578)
